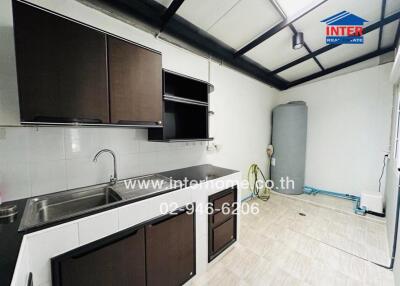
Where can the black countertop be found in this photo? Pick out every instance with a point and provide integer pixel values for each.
(10, 243)
(11, 239)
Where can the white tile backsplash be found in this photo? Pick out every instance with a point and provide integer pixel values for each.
(47, 177)
(14, 147)
(14, 180)
(81, 142)
(85, 172)
(40, 160)
(129, 166)
(46, 144)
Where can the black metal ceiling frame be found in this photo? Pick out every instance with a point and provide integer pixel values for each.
(397, 37)
(383, 10)
(153, 14)
(287, 21)
(170, 12)
(326, 48)
(294, 31)
(165, 20)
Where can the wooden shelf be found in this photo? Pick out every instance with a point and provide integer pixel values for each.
(185, 110)
(173, 98)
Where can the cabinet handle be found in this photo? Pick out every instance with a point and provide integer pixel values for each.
(66, 120)
(131, 122)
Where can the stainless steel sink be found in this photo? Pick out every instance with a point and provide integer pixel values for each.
(55, 207)
(143, 186)
(63, 205)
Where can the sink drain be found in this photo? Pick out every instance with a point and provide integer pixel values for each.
(302, 214)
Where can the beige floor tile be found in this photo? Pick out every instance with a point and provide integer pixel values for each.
(279, 247)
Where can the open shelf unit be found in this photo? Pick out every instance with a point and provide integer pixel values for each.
(185, 109)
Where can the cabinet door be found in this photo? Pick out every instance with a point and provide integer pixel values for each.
(223, 235)
(222, 223)
(170, 248)
(62, 68)
(135, 83)
(119, 263)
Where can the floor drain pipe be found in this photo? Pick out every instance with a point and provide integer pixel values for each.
(357, 209)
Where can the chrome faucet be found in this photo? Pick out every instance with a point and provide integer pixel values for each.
(113, 178)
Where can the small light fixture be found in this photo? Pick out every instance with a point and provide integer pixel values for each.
(298, 40)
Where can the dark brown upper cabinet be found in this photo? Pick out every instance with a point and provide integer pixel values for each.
(69, 72)
(135, 83)
(62, 68)
(170, 250)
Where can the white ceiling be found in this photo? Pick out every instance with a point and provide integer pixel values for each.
(196, 10)
(291, 7)
(344, 53)
(301, 70)
(277, 50)
(389, 33)
(244, 22)
(238, 22)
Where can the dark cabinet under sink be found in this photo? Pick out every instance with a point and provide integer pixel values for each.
(118, 261)
(160, 252)
(170, 250)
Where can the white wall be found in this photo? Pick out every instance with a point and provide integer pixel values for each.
(242, 120)
(37, 161)
(348, 129)
(392, 187)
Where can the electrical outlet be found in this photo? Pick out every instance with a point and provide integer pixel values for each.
(2, 133)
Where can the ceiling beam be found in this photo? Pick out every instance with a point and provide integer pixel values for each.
(182, 31)
(326, 48)
(170, 12)
(294, 31)
(397, 37)
(314, 58)
(383, 9)
(278, 27)
(307, 48)
(341, 66)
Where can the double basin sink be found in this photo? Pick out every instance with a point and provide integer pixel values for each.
(52, 208)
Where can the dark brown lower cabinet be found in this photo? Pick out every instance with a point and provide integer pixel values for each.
(170, 250)
(120, 262)
(155, 253)
(222, 222)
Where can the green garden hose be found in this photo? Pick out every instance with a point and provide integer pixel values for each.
(261, 192)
